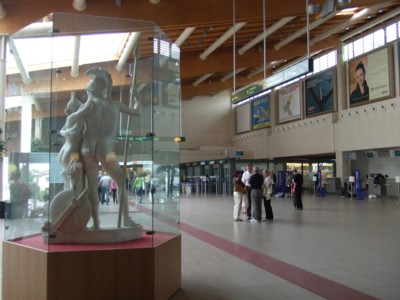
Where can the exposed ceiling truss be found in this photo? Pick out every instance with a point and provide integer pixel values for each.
(205, 31)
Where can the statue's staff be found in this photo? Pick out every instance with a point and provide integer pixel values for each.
(132, 98)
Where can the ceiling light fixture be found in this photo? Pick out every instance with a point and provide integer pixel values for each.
(154, 1)
(21, 67)
(265, 34)
(302, 31)
(348, 22)
(371, 24)
(75, 57)
(343, 2)
(231, 31)
(79, 5)
(259, 70)
(313, 8)
(230, 75)
(201, 79)
(2, 11)
(130, 45)
(184, 35)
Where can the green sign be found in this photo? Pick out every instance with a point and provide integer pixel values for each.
(301, 68)
(247, 92)
(144, 138)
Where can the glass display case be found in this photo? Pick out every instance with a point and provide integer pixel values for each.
(110, 87)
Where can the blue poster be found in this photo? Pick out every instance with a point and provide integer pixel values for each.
(319, 93)
(261, 112)
(319, 176)
(280, 186)
(357, 175)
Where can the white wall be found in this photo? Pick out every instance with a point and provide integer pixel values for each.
(208, 125)
(210, 122)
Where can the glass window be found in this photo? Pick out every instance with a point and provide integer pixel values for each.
(379, 38)
(345, 52)
(324, 62)
(358, 47)
(351, 51)
(391, 32)
(332, 59)
(175, 52)
(317, 67)
(368, 42)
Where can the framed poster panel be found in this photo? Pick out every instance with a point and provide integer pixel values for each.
(320, 93)
(261, 112)
(371, 77)
(289, 103)
(243, 118)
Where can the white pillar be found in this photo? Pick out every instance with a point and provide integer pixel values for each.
(38, 128)
(26, 124)
(341, 80)
(343, 166)
(3, 43)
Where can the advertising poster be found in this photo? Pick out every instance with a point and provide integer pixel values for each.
(369, 77)
(320, 93)
(289, 103)
(261, 112)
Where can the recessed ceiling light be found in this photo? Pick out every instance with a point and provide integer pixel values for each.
(347, 11)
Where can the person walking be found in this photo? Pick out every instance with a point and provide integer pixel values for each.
(113, 187)
(238, 189)
(138, 186)
(267, 195)
(256, 182)
(105, 183)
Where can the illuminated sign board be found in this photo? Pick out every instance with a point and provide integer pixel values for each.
(303, 67)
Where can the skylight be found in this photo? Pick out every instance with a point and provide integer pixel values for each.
(51, 52)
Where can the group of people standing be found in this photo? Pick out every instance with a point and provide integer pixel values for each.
(257, 189)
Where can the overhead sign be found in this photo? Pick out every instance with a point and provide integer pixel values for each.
(303, 67)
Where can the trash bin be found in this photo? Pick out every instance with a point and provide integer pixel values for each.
(5, 210)
(189, 188)
(360, 194)
(2, 209)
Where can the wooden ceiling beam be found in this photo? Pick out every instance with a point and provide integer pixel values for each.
(167, 13)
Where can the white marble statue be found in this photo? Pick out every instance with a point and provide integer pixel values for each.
(91, 130)
(101, 115)
(70, 153)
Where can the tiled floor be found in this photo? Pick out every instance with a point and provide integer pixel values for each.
(336, 248)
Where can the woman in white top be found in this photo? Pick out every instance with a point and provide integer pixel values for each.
(267, 195)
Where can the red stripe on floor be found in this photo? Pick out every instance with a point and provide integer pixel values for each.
(318, 285)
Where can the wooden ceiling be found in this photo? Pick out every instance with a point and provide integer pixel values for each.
(211, 19)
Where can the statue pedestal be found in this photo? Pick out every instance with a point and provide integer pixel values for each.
(130, 270)
(103, 236)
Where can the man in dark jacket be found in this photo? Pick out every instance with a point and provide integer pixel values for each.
(256, 181)
(298, 187)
